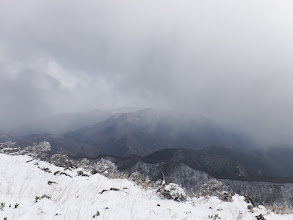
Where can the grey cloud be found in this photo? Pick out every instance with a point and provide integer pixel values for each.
(228, 60)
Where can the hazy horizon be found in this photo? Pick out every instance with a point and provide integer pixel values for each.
(229, 60)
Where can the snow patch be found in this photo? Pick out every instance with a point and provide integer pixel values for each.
(80, 197)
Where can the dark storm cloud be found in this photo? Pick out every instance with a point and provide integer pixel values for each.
(229, 60)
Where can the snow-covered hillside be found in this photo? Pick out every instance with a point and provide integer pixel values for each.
(28, 192)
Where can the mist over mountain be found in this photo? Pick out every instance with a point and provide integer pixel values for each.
(128, 131)
(206, 144)
(60, 123)
(148, 130)
(184, 56)
(185, 149)
(179, 92)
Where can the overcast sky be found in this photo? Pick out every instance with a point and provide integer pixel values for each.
(229, 60)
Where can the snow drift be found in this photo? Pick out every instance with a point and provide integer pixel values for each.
(33, 189)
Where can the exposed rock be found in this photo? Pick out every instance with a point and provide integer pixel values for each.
(61, 173)
(51, 182)
(260, 217)
(45, 169)
(81, 173)
(249, 200)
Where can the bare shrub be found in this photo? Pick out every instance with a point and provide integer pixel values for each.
(62, 160)
(9, 148)
(283, 209)
(172, 191)
(83, 163)
(105, 167)
(37, 150)
(216, 188)
(140, 179)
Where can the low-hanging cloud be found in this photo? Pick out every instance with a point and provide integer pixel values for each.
(229, 60)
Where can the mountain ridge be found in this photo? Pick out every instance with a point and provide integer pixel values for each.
(147, 130)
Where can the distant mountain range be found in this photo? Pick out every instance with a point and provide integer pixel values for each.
(159, 136)
(126, 131)
(219, 162)
(146, 131)
(242, 172)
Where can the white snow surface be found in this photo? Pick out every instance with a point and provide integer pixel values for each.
(79, 197)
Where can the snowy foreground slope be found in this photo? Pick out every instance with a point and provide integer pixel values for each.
(80, 197)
